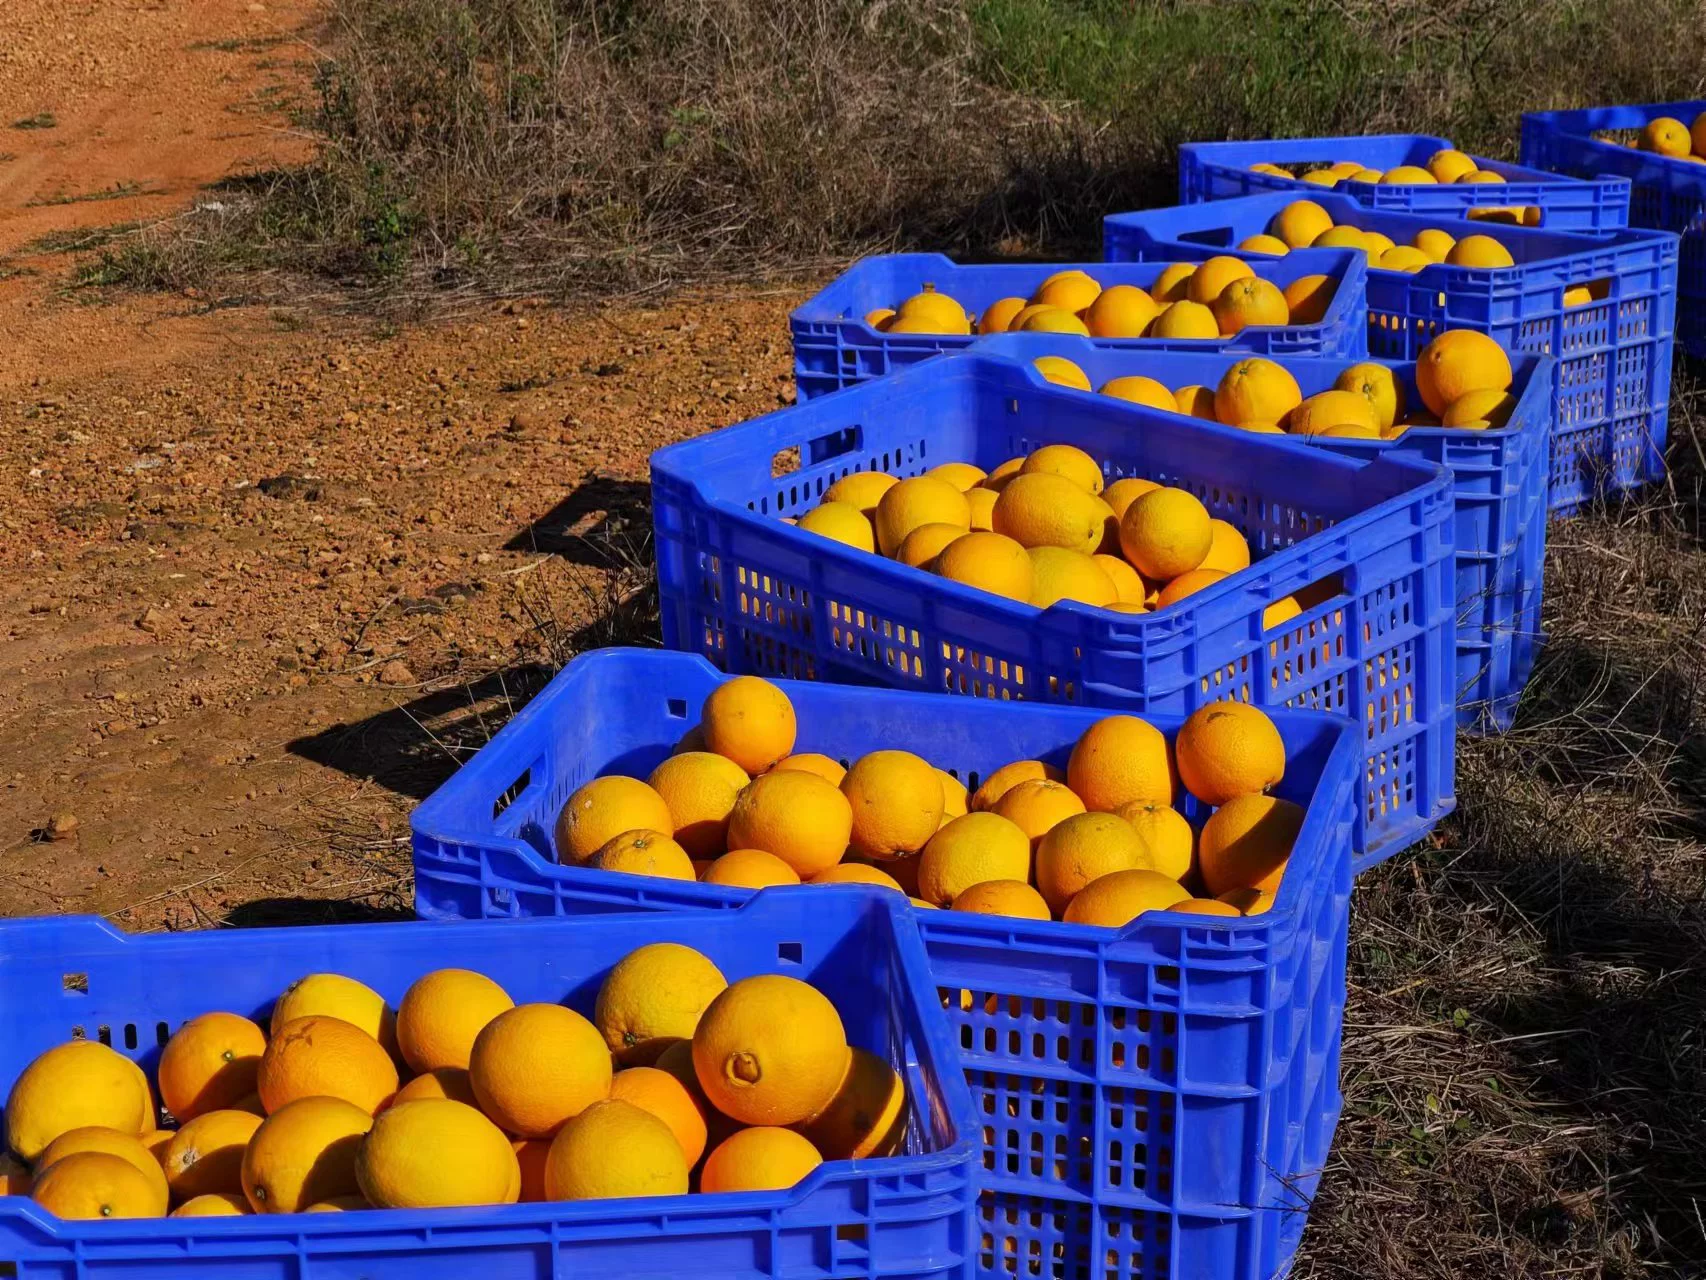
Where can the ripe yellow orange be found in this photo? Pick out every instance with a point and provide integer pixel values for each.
(1045, 319)
(1260, 426)
(1229, 551)
(1366, 175)
(936, 310)
(796, 816)
(1256, 389)
(1666, 136)
(443, 1011)
(1321, 178)
(1480, 410)
(1247, 902)
(1019, 321)
(1187, 584)
(896, 799)
(643, 853)
(599, 811)
(1129, 586)
(921, 547)
(655, 995)
(989, 561)
(1404, 258)
(1457, 362)
(998, 315)
(530, 1157)
(1165, 533)
(964, 476)
(1060, 574)
(1195, 402)
(1376, 384)
(1267, 244)
(94, 1185)
(867, 1116)
(770, 1050)
(861, 490)
(15, 1176)
(1205, 907)
(1482, 176)
(1343, 237)
(982, 503)
(205, 1157)
(969, 850)
(302, 1154)
(1009, 776)
(323, 1056)
(956, 800)
(1229, 749)
(1434, 243)
(1036, 806)
(1069, 290)
(749, 869)
(1043, 509)
(1377, 242)
(878, 317)
(1211, 277)
(218, 1205)
(1167, 838)
(1326, 409)
(537, 1065)
(1118, 760)
(699, 787)
(1122, 493)
(1083, 848)
(435, 1154)
(1139, 390)
(916, 501)
(1003, 898)
(1249, 302)
(842, 522)
(831, 771)
(1448, 165)
(1299, 223)
(1345, 168)
(1185, 319)
(1062, 372)
(1119, 897)
(1409, 175)
(1246, 842)
(1171, 284)
(763, 1158)
(126, 1146)
(209, 1063)
(858, 873)
(1120, 311)
(441, 1082)
(1273, 170)
(662, 1094)
(614, 1150)
(1067, 461)
(1308, 297)
(1479, 251)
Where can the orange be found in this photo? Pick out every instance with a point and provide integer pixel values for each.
(904, 871)
(530, 1157)
(218, 1205)
(615, 1150)
(1228, 552)
(1061, 371)
(921, 547)
(1119, 897)
(654, 996)
(861, 489)
(1035, 807)
(1404, 258)
(989, 561)
(1171, 284)
(1187, 584)
(73, 1085)
(1003, 898)
(879, 317)
(536, 1065)
(157, 1141)
(351, 1203)
(998, 315)
(643, 853)
(1019, 321)
(1245, 843)
(340, 997)
(93, 1185)
(1205, 907)
(1117, 760)
(15, 1176)
(1083, 848)
(982, 503)
(1457, 362)
(1308, 297)
(126, 1146)
(962, 475)
(1139, 390)
(209, 1063)
(1185, 319)
(955, 798)
(1120, 311)
(1068, 461)
(1069, 290)
(599, 811)
(302, 1154)
(796, 816)
(1481, 176)
(1300, 223)
(205, 1157)
(917, 501)
(322, 1056)
(669, 1100)
(1040, 509)
(842, 522)
(969, 850)
(747, 719)
(1344, 237)
(1448, 165)
(1267, 244)
(896, 799)
(1009, 776)
(1376, 384)
(1249, 302)
(936, 310)
(1248, 902)
(831, 771)
(1168, 841)
(770, 1050)
(441, 1082)
(1195, 402)
(867, 1116)
(436, 1154)
(1434, 243)
(758, 1159)
(857, 873)
(1044, 319)
(1488, 408)
(1666, 136)
(1165, 533)
(1005, 471)
(1256, 388)
(1211, 277)
(1321, 178)
(1060, 574)
(1229, 749)
(1479, 251)
(1409, 175)
(443, 1011)
(1129, 585)
(1327, 409)
(749, 869)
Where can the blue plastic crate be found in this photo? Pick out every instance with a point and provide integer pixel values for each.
(1669, 195)
(1372, 544)
(1167, 1090)
(1498, 480)
(1216, 170)
(905, 1215)
(834, 347)
(1610, 406)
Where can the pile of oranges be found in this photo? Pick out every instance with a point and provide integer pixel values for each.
(1098, 842)
(680, 1081)
(1444, 167)
(1213, 299)
(1463, 377)
(1669, 137)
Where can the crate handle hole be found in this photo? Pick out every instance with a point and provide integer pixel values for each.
(75, 984)
(677, 708)
(790, 953)
(835, 444)
(1317, 593)
(512, 793)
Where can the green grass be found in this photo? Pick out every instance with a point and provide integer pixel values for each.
(118, 191)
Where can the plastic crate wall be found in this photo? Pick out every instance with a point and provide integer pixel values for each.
(1217, 170)
(835, 348)
(1611, 376)
(1369, 545)
(1669, 195)
(1174, 1088)
(909, 1215)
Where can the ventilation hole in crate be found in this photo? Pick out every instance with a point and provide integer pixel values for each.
(162, 1033)
(130, 1037)
(852, 1231)
(75, 983)
(511, 793)
(790, 952)
(785, 462)
(79, 1033)
(104, 1035)
(677, 708)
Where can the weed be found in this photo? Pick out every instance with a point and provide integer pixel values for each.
(41, 120)
(118, 191)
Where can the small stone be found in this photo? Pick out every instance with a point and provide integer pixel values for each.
(150, 620)
(62, 826)
(396, 672)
